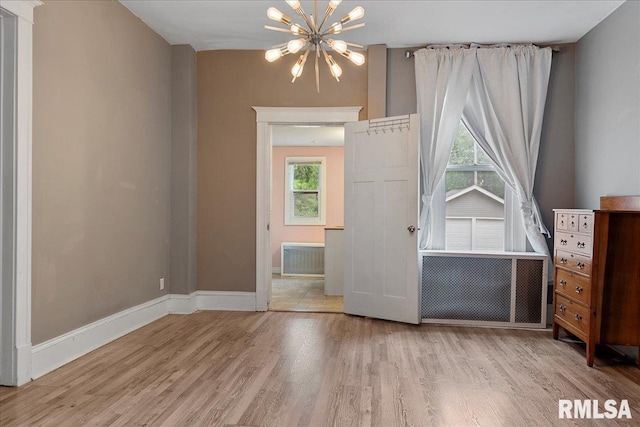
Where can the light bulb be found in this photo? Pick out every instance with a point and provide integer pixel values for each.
(275, 15)
(296, 44)
(296, 70)
(355, 57)
(355, 14)
(273, 54)
(335, 28)
(333, 4)
(297, 29)
(337, 45)
(335, 69)
(295, 4)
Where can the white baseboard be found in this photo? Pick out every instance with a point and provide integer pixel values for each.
(52, 354)
(232, 301)
(182, 304)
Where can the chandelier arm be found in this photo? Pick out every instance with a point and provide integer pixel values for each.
(353, 27)
(359, 46)
(317, 67)
(307, 21)
(282, 30)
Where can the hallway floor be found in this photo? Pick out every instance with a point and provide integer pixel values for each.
(302, 294)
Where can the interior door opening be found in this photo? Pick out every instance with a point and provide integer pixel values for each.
(307, 217)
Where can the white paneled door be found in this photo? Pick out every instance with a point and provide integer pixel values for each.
(381, 219)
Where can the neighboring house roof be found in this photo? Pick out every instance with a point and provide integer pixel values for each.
(454, 194)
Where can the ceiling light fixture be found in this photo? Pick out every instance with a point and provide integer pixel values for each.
(313, 37)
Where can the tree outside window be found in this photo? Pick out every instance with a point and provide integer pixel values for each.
(305, 198)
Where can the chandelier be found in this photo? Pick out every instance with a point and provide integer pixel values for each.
(312, 37)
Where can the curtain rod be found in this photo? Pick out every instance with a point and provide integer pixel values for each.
(409, 52)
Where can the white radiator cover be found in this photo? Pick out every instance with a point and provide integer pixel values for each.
(302, 259)
(506, 289)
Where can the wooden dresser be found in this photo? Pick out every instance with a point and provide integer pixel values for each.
(597, 273)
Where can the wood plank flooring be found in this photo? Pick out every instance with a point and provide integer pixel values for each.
(237, 369)
(302, 294)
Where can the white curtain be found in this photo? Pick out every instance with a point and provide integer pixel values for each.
(443, 77)
(504, 113)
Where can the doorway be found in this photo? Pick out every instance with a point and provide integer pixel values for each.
(307, 203)
(266, 119)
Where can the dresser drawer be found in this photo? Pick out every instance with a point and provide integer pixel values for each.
(585, 223)
(573, 286)
(573, 242)
(561, 221)
(572, 313)
(575, 262)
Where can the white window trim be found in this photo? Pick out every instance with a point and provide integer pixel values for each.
(515, 239)
(289, 218)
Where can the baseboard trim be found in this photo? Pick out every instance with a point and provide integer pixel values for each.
(52, 354)
(275, 270)
(231, 301)
(182, 304)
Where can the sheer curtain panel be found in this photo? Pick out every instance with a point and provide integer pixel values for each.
(443, 78)
(504, 112)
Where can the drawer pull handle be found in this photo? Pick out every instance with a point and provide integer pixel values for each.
(563, 242)
(563, 260)
(585, 225)
(579, 289)
(581, 265)
(563, 283)
(581, 245)
(573, 224)
(563, 308)
(578, 317)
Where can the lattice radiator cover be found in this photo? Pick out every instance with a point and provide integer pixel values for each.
(472, 289)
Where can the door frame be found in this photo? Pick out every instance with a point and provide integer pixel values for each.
(16, 345)
(265, 118)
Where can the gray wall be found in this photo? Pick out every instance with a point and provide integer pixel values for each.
(608, 108)
(101, 158)
(554, 186)
(183, 169)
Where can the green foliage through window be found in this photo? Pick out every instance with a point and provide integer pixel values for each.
(306, 177)
(306, 186)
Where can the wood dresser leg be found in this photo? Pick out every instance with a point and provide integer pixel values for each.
(555, 331)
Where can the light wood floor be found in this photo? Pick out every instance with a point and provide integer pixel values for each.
(310, 369)
(302, 294)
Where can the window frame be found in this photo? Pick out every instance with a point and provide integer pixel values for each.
(289, 217)
(515, 239)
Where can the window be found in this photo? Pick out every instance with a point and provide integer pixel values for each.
(305, 198)
(479, 214)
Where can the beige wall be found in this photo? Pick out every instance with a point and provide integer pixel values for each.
(101, 147)
(335, 197)
(229, 83)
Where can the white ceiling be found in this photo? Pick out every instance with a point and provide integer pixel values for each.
(307, 136)
(217, 24)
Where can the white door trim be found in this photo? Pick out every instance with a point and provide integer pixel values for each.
(18, 345)
(265, 117)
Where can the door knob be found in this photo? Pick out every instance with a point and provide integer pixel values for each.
(411, 228)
